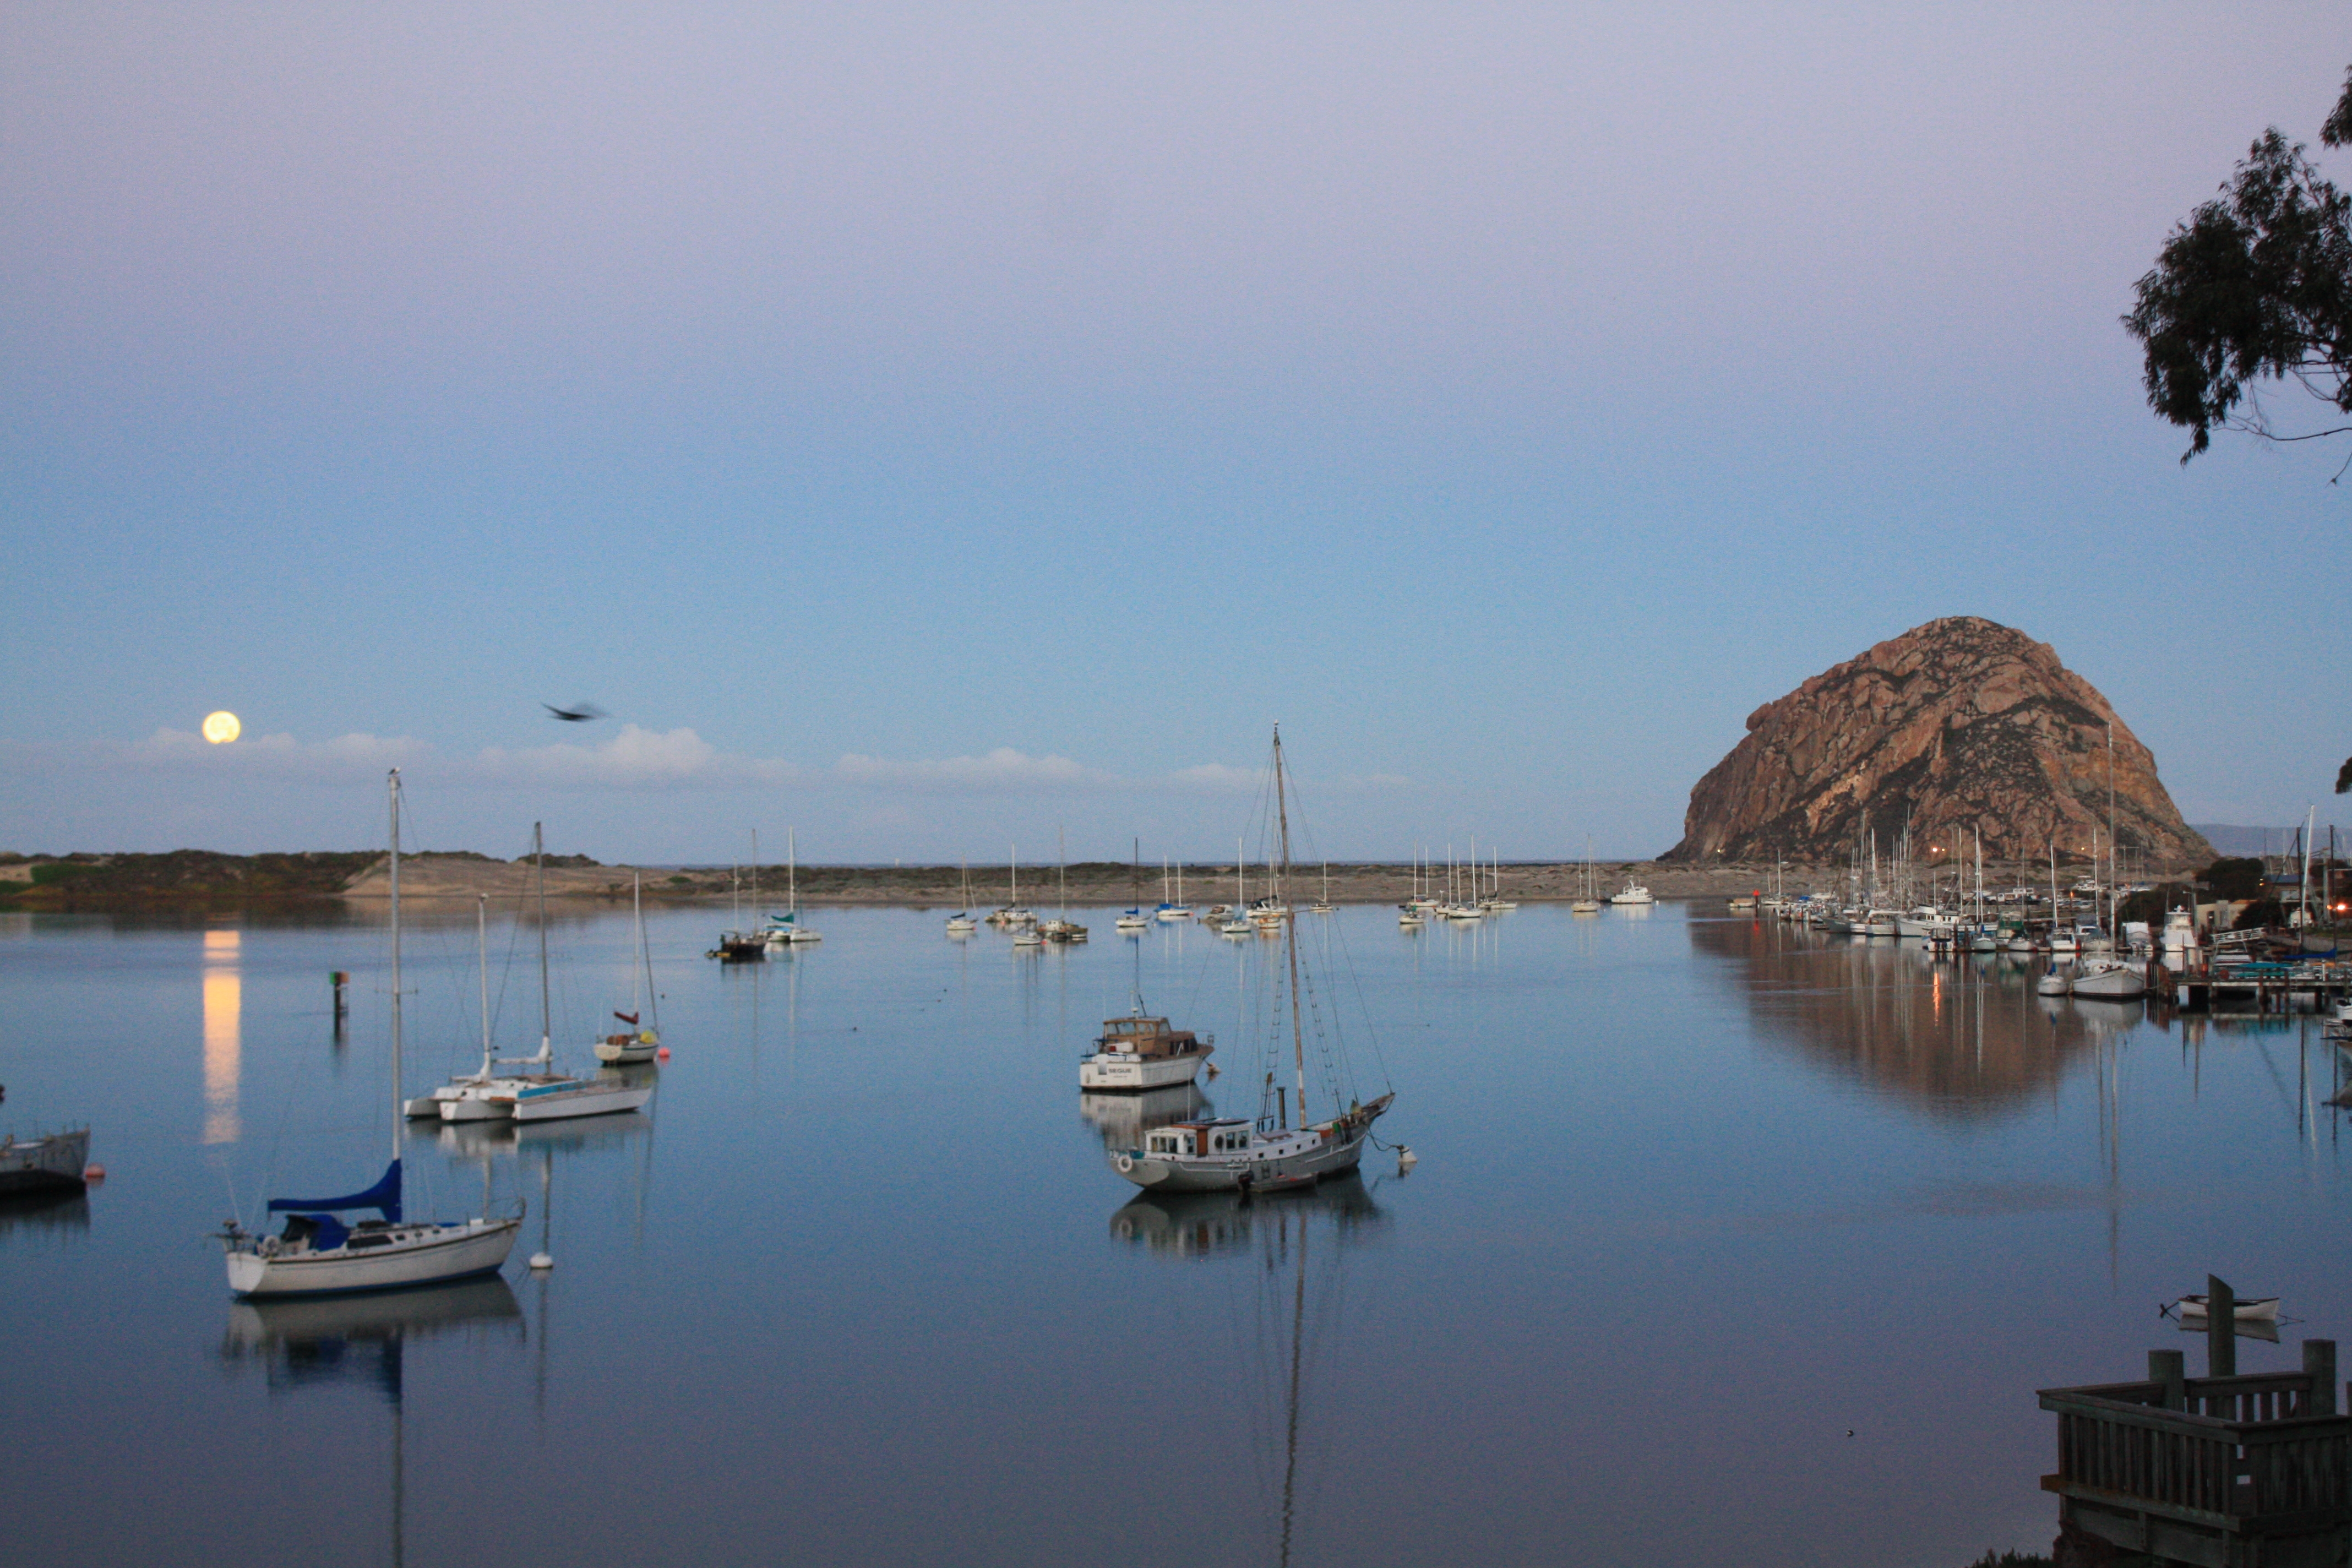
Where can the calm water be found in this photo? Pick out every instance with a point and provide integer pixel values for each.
(1697, 1198)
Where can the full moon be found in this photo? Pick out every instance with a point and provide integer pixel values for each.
(222, 727)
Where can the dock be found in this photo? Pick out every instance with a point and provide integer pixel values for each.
(2222, 1471)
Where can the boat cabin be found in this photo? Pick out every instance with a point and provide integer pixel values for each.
(1140, 1036)
(1199, 1140)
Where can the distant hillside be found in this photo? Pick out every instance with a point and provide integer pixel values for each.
(182, 876)
(2226, 839)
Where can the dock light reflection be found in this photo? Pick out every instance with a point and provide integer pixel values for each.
(224, 1002)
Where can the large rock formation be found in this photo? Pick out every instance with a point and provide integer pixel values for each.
(1959, 724)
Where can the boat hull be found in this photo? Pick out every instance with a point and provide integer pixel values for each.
(50, 1164)
(1250, 1170)
(601, 1097)
(1107, 1071)
(476, 1247)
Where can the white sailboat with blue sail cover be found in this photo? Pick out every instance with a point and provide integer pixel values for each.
(319, 1254)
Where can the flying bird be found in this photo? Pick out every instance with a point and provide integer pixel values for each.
(578, 714)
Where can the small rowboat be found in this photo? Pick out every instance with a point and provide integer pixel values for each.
(2262, 1309)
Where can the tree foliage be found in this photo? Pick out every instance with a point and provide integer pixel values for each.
(2254, 286)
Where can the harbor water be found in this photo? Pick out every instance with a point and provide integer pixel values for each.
(1726, 1243)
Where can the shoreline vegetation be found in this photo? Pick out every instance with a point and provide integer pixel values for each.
(196, 877)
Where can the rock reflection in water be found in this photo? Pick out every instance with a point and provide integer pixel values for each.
(1961, 1038)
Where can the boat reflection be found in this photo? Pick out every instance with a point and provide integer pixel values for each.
(1954, 1038)
(361, 1339)
(1122, 1119)
(478, 1140)
(1200, 1224)
(58, 1214)
(1293, 1249)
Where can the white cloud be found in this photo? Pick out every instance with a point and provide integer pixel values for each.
(633, 759)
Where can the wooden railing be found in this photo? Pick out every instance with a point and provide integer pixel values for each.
(2266, 1450)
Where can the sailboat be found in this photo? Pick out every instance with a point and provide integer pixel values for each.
(962, 923)
(317, 1253)
(1180, 909)
(1588, 903)
(1012, 914)
(737, 945)
(1133, 918)
(1228, 1154)
(1493, 899)
(1237, 922)
(1062, 928)
(1322, 906)
(785, 929)
(545, 1095)
(637, 1044)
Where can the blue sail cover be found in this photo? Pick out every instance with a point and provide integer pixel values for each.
(383, 1197)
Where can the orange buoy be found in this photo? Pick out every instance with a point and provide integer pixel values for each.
(663, 1053)
(93, 1173)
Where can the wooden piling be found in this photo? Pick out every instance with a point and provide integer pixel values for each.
(2170, 1369)
(2220, 1327)
(2319, 1365)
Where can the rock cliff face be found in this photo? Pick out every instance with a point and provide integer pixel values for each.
(1955, 726)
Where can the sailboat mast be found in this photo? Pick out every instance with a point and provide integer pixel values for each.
(636, 919)
(1290, 932)
(791, 871)
(2114, 907)
(546, 1007)
(399, 1108)
(482, 955)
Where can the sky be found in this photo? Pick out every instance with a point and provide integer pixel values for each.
(932, 428)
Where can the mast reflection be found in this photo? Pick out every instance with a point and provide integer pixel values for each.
(1296, 1246)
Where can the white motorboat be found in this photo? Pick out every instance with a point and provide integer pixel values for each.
(1927, 923)
(1140, 1052)
(2109, 979)
(1631, 893)
(2179, 937)
(317, 1253)
(1224, 1154)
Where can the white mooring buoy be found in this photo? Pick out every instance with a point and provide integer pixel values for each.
(1406, 1158)
(541, 1263)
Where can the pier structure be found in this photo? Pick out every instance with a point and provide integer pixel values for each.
(2220, 1471)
